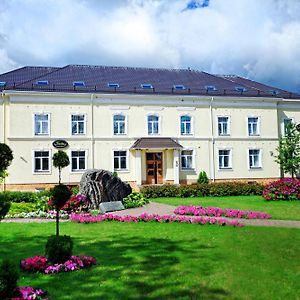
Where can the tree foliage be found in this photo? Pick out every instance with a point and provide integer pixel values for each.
(60, 160)
(289, 150)
(6, 157)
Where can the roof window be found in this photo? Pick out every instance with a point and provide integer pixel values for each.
(113, 85)
(78, 83)
(179, 87)
(210, 88)
(240, 89)
(42, 82)
(146, 86)
(274, 92)
(2, 83)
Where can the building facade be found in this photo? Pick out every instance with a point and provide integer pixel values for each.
(147, 137)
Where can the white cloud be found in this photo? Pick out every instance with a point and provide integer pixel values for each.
(254, 38)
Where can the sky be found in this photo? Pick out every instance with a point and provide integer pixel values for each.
(256, 39)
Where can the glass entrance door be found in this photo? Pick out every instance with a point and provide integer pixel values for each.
(154, 169)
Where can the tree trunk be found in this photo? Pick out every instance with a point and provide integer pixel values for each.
(59, 175)
(57, 222)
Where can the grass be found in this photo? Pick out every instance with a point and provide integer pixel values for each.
(281, 210)
(165, 261)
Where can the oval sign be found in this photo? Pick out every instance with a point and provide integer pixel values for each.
(60, 144)
(298, 127)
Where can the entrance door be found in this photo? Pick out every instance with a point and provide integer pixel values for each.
(154, 168)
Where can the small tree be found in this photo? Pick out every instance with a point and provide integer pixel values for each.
(202, 178)
(60, 161)
(289, 150)
(6, 158)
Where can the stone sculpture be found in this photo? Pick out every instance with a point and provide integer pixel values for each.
(102, 186)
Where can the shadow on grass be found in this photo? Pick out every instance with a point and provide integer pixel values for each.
(128, 268)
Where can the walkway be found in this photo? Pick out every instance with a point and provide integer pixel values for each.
(164, 209)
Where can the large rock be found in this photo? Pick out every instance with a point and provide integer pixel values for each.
(101, 186)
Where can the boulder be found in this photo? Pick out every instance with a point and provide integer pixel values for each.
(101, 186)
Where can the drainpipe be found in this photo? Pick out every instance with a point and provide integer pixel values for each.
(4, 128)
(93, 139)
(212, 154)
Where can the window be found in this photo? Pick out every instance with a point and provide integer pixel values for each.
(185, 125)
(113, 85)
(146, 86)
(78, 124)
(254, 158)
(41, 161)
(187, 159)
(78, 160)
(120, 160)
(179, 87)
(41, 124)
(153, 124)
(78, 83)
(210, 88)
(119, 124)
(286, 121)
(225, 159)
(42, 82)
(240, 89)
(253, 126)
(2, 83)
(223, 126)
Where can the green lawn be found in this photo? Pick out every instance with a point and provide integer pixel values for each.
(165, 261)
(281, 210)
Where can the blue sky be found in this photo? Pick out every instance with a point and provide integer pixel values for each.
(257, 39)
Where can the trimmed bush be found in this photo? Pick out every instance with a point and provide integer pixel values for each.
(285, 189)
(60, 194)
(4, 206)
(202, 179)
(8, 279)
(135, 199)
(59, 248)
(17, 208)
(202, 190)
(24, 196)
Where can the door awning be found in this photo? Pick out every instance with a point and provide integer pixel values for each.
(155, 143)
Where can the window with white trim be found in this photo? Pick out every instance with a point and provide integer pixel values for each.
(185, 125)
(253, 126)
(41, 161)
(225, 159)
(120, 160)
(119, 123)
(153, 124)
(187, 159)
(78, 160)
(41, 124)
(78, 124)
(254, 158)
(223, 126)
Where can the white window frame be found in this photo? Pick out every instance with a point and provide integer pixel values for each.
(33, 161)
(159, 124)
(282, 124)
(258, 126)
(230, 167)
(86, 161)
(49, 123)
(228, 126)
(84, 123)
(191, 122)
(125, 124)
(127, 160)
(193, 159)
(259, 157)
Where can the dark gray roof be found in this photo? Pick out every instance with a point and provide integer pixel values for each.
(97, 78)
(155, 143)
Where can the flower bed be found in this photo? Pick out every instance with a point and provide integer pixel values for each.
(86, 218)
(29, 293)
(39, 214)
(41, 264)
(220, 212)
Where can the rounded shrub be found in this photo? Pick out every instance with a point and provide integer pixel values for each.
(283, 189)
(8, 279)
(134, 199)
(4, 206)
(59, 248)
(60, 194)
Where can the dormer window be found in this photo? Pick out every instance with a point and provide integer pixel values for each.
(78, 83)
(274, 92)
(146, 86)
(113, 85)
(178, 87)
(42, 82)
(210, 88)
(240, 89)
(2, 83)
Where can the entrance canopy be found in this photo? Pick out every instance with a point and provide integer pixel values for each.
(155, 143)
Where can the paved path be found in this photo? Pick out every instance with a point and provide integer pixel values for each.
(164, 209)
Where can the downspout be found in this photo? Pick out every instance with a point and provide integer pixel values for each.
(4, 128)
(212, 156)
(93, 138)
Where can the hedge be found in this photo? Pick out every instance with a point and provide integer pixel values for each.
(27, 197)
(199, 190)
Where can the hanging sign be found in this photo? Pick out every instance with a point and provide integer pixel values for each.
(60, 144)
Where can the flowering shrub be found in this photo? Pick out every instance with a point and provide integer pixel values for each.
(86, 218)
(76, 203)
(283, 189)
(29, 293)
(41, 264)
(220, 212)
